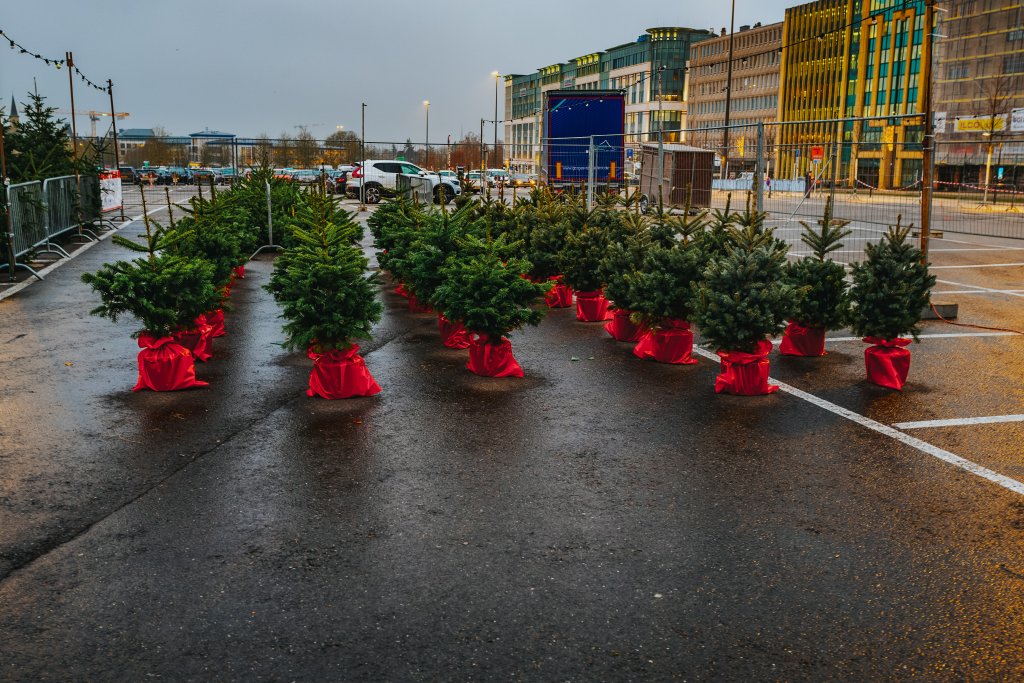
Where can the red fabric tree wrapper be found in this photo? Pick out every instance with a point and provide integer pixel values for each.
(798, 340)
(560, 295)
(400, 290)
(887, 362)
(621, 328)
(492, 360)
(672, 343)
(198, 340)
(453, 335)
(745, 374)
(215, 319)
(239, 272)
(591, 307)
(340, 374)
(165, 365)
(415, 306)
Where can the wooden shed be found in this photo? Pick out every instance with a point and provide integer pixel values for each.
(687, 169)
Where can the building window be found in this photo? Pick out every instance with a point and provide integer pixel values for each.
(956, 72)
(1013, 64)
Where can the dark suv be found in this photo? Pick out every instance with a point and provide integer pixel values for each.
(127, 175)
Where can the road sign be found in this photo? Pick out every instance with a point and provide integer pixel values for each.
(817, 153)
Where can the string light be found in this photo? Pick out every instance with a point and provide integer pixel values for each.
(58, 63)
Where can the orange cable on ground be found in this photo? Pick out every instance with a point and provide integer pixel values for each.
(978, 327)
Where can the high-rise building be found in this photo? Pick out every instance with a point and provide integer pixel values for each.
(979, 83)
(650, 70)
(857, 59)
(753, 97)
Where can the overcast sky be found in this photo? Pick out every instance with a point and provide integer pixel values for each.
(259, 66)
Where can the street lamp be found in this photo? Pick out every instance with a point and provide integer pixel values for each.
(497, 78)
(728, 97)
(426, 137)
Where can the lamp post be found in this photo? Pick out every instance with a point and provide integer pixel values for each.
(497, 78)
(728, 97)
(426, 135)
(362, 163)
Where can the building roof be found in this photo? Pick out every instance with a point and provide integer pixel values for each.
(14, 109)
(211, 134)
(136, 133)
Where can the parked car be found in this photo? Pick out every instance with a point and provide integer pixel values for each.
(380, 177)
(476, 181)
(173, 175)
(497, 176)
(127, 175)
(203, 176)
(524, 180)
(146, 175)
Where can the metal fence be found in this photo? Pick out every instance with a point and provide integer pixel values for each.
(41, 211)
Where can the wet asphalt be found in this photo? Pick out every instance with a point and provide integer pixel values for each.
(603, 518)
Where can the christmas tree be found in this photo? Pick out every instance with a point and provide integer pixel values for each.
(165, 291)
(435, 242)
(321, 283)
(743, 297)
(482, 288)
(580, 258)
(890, 288)
(819, 283)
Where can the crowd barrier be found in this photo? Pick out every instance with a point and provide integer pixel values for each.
(43, 210)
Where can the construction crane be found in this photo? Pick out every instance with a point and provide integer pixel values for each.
(94, 116)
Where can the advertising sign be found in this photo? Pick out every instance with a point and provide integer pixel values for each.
(981, 124)
(110, 191)
(1017, 121)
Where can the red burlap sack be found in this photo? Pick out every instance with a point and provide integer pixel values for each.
(400, 290)
(745, 374)
(798, 340)
(621, 328)
(672, 343)
(198, 340)
(453, 335)
(165, 365)
(416, 306)
(560, 295)
(887, 362)
(215, 319)
(340, 374)
(591, 307)
(239, 272)
(492, 360)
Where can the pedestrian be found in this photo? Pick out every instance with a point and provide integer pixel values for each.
(808, 179)
(768, 184)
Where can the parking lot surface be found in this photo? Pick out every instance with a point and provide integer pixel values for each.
(602, 518)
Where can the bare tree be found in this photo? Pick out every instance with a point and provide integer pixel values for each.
(995, 94)
(307, 150)
(283, 150)
(264, 152)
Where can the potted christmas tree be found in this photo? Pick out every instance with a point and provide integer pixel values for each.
(328, 301)
(581, 263)
(166, 292)
(545, 229)
(889, 291)
(437, 240)
(741, 300)
(483, 288)
(821, 301)
(394, 235)
(662, 294)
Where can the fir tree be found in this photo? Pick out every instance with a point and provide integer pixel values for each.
(743, 297)
(581, 256)
(321, 284)
(663, 285)
(437, 240)
(890, 288)
(483, 289)
(820, 287)
(39, 147)
(166, 292)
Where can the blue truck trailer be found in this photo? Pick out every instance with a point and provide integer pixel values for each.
(571, 119)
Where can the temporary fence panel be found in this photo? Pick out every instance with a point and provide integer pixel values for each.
(416, 189)
(28, 215)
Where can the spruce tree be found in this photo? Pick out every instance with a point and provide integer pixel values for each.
(483, 289)
(39, 146)
(321, 284)
(890, 288)
(743, 297)
(580, 258)
(438, 239)
(165, 291)
(821, 297)
(663, 285)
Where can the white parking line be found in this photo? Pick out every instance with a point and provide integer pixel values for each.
(975, 291)
(980, 265)
(885, 430)
(941, 335)
(992, 419)
(983, 289)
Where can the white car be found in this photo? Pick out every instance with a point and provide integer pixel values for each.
(381, 178)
